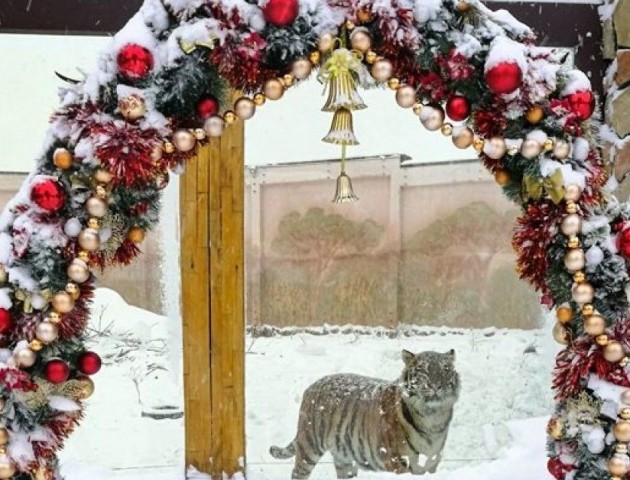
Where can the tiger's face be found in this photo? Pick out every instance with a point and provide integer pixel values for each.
(430, 377)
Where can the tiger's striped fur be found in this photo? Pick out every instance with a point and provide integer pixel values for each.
(373, 424)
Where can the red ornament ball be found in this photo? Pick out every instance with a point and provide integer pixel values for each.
(582, 104)
(89, 363)
(504, 77)
(207, 107)
(48, 195)
(6, 320)
(281, 13)
(457, 108)
(134, 61)
(623, 242)
(56, 371)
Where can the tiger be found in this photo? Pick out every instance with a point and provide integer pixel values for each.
(371, 424)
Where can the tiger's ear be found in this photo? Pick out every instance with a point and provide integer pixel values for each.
(407, 356)
(450, 355)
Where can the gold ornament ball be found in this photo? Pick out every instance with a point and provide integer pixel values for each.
(575, 260)
(564, 314)
(96, 207)
(572, 193)
(595, 325)
(36, 345)
(89, 240)
(360, 40)
(136, 235)
(274, 89)
(132, 107)
(4, 436)
(462, 6)
(588, 310)
(579, 277)
(624, 413)
(25, 358)
(199, 134)
(87, 388)
(613, 352)
(531, 149)
(302, 68)
(214, 126)
(619, 465)
(326, 42)
(601, 340)
(571, 225)
(394, 84)
(432, 118)
(534, 115)
(371, 57)
(288, 80)
(230, 117)
(447, 129)
(245, 108)
(7, 469)
(73, 290)
(184, 141)
(62, 302)
(548, 145)
(382, 70)
(169, 147)
(463, 137)
(405, 96)
(94, 223)
(46, 332)
(562, 149)
(63, 159)
(502, 177)
(560, 334)
(315, 58)
(260, 99)
(78, 271)
(583, 293)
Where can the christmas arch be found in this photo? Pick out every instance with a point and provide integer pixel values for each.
(163, 89)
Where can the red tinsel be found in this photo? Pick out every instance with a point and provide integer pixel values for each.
(399, 30)
(434, 86)
(455, 66)
(558, 469)
(595, 180)
(125, 150)
(532, 235)
(488, 123)
(14, 379)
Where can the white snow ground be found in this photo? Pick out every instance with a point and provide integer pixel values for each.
(497, 432)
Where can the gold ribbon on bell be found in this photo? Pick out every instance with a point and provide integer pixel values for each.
(341, 131)
(553, 185)
(338, 75)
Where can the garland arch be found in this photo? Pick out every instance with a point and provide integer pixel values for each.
(162, 88)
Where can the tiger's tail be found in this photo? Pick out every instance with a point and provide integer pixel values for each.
(283, 453)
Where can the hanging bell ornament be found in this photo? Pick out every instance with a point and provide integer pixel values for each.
(337, 75)
(341, 131)
(344, 192)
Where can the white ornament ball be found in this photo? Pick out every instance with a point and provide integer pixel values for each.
(583, 293)
(184, 140)
(594, 256)
(561, 149)
(257, 20)
(495, 148)
(572, 193)
(531, 149)
(214, 126)
(425, 11)
(571, 225)
(432, 118)
(25, 358)
(5, 355)
(574, 260)
(38, 302)
(73, 227)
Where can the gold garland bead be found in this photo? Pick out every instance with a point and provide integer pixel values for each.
(315, 58)
(83, 255)
(548, 145)
(288, 80)
(350, 25)
(512, 150)
(54, 317)
(199, 134)
(101, 192)
(502, 177)
(417, 108)
(602, 340)
(447, 129)
(229, 117)
(571, 207)
(574, 242)
(624, 362)
(169, 147)
(36, 345)
(478, 144)
(579, 277)
(370, 57)
(564, 314)
(393, 83)
(588, 310)
(260, 99)
(94, 223)
(621, 448)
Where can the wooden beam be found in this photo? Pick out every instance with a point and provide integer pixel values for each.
(212, 267)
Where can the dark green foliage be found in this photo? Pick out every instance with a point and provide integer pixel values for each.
(181, 87)
(286, 44)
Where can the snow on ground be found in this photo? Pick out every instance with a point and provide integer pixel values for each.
(498, 427)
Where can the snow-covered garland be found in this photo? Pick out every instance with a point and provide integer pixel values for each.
(160, 92)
